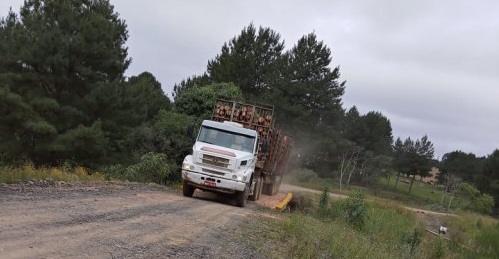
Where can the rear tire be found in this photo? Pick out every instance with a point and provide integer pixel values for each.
(188, 190)
(256, 191)
(242, 197)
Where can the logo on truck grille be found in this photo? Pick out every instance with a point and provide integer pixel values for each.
(216, 161)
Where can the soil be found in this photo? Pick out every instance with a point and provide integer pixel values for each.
(46, 219)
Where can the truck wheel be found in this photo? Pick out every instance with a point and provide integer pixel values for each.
(188, 190)
(256, 191)
(241, 197)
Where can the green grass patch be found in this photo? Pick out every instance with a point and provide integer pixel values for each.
(28, 172)
(423, 195)
(389, 231)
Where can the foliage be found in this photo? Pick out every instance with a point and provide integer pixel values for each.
(390, 232)
(190, 83)
(170, 130)
(481, 203)
(152, 167)
(323, 201)
(356, 209)
(413, 157)
(465, 165)
(55, 55)
(305, 175)
(247, 60)
(488, 181)
(372, 131)
(199, 101)
(413, 240)
(306, 94)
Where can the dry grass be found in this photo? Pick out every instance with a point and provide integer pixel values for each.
(29, 172)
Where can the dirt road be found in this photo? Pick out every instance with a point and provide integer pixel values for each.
(119, 220)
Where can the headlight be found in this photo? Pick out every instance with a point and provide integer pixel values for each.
(237, 177)
(187, 166)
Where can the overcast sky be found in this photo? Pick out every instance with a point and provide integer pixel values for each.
(431, 67)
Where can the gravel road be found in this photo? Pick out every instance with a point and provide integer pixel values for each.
(40, 219)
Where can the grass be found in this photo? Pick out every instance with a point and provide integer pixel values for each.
(423, 195)
(390, 231)
(28, 172)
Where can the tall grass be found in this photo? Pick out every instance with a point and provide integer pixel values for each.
(389, 231)
(476, 232)
(29, 172)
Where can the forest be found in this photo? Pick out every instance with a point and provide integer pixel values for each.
(65, 101)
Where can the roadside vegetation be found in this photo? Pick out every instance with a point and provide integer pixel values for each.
(357, 228)
(29, 172)
(423, 195)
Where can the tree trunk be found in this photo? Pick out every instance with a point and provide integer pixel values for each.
(412, 182)
(396, 181)
(388, 180)
(349, 176)
(342, 171)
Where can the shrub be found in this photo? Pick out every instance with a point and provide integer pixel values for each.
(152, 167)
(116, 171)
(355, 207)
(413, 240)
(483, 204)
(306, 176)
(323, 202)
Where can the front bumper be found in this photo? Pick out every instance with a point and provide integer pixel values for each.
(212, 183)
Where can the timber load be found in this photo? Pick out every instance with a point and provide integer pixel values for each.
(259, 117)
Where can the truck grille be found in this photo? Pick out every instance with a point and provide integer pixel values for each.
(216, 161)
(213, 172)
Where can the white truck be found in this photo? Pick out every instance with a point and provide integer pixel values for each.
(237, 152)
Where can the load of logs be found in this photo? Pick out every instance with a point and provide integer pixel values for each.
(246, 114)
(251, 116)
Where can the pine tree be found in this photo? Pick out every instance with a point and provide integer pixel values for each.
(55, 56)
(248, 60)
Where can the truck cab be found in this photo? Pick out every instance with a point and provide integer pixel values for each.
(223, 160)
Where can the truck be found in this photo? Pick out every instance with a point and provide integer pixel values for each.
(238, 152)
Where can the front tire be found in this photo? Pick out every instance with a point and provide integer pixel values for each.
(242, 197)
(188, 190)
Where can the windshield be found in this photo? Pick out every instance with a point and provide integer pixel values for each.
(226, 139)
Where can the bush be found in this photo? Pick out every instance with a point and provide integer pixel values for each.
(323, 202)
(306, 176)
(413, 240)
(152, 167)
(116, 171)
(355, 209)
(483, 204)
